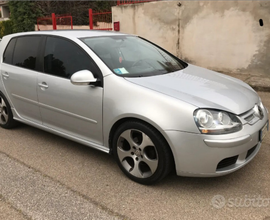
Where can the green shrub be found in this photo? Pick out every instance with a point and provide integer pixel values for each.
(5, 28)
(23, 15)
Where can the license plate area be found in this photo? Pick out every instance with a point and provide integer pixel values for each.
(263, 132)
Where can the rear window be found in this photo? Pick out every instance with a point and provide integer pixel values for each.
(22, 52)
(9, 52)
(25, 53)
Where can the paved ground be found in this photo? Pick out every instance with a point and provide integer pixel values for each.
(37, 196)
(43, 176)
(260, 82)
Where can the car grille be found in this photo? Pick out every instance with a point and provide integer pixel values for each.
(250, 151)
(251, 116)
(227, 162)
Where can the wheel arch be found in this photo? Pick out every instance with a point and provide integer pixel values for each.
(123, 120)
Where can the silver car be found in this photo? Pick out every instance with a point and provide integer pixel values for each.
(124, 95)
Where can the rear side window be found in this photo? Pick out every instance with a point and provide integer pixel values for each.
(9, 52)
(26, 50)
(63, 58)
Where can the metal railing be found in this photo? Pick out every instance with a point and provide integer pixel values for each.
(61, 20)
(100, 20)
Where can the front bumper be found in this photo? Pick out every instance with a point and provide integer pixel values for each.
(202, 155)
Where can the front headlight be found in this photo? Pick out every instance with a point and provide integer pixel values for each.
(216, 122)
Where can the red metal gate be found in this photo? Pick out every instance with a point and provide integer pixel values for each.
(100, 20)
(57, 22)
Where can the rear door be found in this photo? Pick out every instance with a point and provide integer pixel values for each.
(18, 72)
(71, 109)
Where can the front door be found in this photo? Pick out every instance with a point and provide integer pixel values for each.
(71, 109)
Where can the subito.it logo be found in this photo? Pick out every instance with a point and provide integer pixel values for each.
(218, 201)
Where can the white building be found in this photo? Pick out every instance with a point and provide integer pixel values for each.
(5, 13)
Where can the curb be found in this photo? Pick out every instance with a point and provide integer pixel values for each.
(260, 88)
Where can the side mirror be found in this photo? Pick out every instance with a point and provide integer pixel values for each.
(83, 77)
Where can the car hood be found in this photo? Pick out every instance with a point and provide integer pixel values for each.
(202, 88)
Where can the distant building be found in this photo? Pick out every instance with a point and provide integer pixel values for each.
(4, 9)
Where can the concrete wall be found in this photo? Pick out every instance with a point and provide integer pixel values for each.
(61, 27)
(155, 21)
(99, 25)
(220, 35)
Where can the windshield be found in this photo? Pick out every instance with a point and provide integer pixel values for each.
(131, 56)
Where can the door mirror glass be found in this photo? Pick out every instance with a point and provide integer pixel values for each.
(83, 77)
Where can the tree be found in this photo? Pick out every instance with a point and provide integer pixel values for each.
(24, 15)
(77, 9)
(5, 28)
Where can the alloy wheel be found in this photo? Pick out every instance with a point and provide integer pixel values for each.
(137, 153)
(3, 112)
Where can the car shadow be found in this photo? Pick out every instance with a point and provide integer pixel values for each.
(108, 163)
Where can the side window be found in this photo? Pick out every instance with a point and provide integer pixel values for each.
(9, 51)
(63, 58)
(25, 53)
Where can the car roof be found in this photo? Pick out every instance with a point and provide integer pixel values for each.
(70, 33)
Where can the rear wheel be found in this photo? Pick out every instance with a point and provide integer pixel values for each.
(141, 152)
(6, 116)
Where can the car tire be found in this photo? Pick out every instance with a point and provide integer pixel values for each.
(141, 152)
(6, 116)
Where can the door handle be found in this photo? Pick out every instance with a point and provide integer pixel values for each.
(5, 75)
(43, 85)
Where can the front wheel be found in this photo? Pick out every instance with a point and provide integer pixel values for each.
(141, 152)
